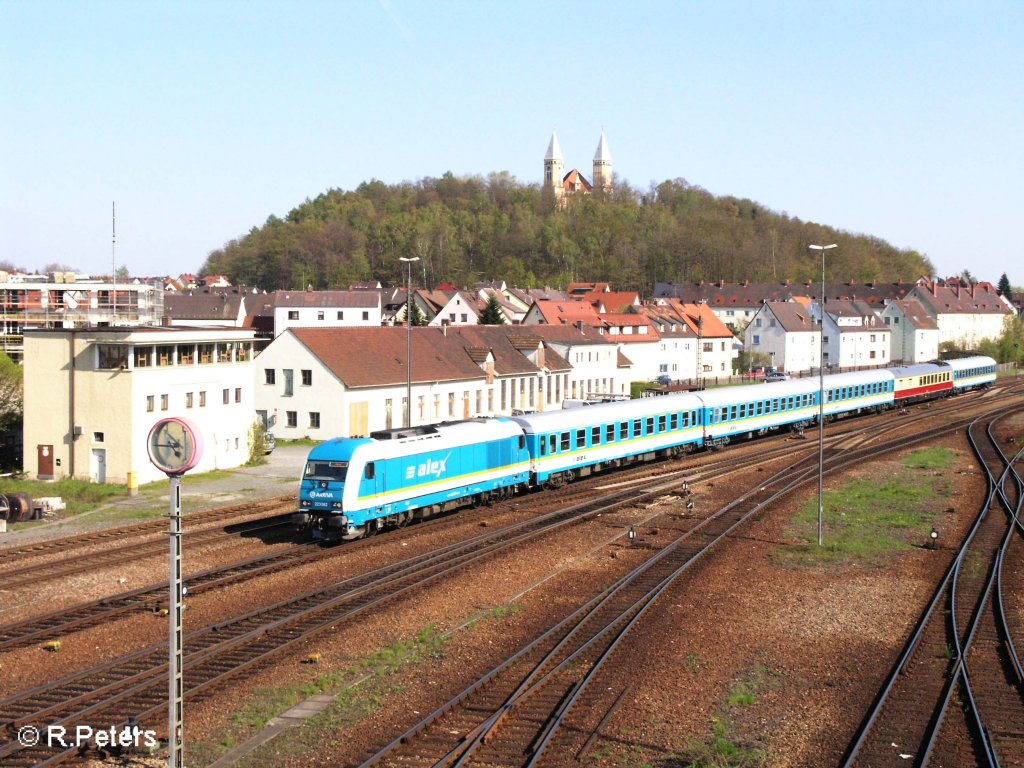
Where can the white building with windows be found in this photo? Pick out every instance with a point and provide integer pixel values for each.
(326, 309)
(855, 337)
(915, 334)
(324, 383)
(93, 394)
(786, 332)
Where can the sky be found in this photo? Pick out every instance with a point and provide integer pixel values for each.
(903, 120)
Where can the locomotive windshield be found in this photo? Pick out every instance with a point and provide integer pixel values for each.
(326, 470)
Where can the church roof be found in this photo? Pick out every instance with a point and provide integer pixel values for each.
(554, 150)
(603, 154)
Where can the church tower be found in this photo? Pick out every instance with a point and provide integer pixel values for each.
(554, 166)
(603, 166)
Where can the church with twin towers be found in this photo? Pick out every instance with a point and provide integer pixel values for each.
(564, 184)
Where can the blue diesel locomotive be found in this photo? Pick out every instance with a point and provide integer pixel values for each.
(353, 487)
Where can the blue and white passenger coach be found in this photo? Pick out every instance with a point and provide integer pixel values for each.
(972, 372)
(577, 441)
(355, 486)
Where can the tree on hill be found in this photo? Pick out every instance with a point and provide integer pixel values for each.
(461, 228)
(416, 314)
(492, 314)
(1004, 288)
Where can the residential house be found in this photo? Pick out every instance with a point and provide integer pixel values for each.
(855, 337)
(787, 333)
(220, 307)
(326, 309)
(915, 334)
(965, 315)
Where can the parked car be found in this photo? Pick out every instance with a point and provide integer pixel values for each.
(269, 443)
(758, 371)
(776, 376)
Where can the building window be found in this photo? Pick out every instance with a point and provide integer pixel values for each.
(293, 418)
(227, 396)
(97, 437)
(709, 346)
(202, 399)
(238, 394)
(293, 314)
(307, 377)
(451, 403)
(341, 314)
(872, 337)
(164, 402)
(268, 376)
(142, 356)
(757, 340)
(206, 353)
(165, 355)
(243, 352)
(186, 354)
(314, 420)
(289, 382)
(366, 315)
(188, 399)
(223, 352)
(150, 403)
(111, 357)
(319, 315)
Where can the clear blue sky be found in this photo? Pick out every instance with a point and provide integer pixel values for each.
(904, 120)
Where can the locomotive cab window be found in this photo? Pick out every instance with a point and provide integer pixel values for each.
(326, 470)
(369, 472)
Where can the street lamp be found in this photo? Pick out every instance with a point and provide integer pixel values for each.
(821, 391)
(408, 345)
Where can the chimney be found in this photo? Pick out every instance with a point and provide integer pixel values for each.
(935, 288)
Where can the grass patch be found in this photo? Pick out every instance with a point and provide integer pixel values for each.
(78, 495)
(868, 521)
(359, 691)
(727, 748)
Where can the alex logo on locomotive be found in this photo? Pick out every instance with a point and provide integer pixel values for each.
(433, 468)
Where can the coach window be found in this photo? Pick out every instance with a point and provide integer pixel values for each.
(595, 435)
(565, 441)
(581, 438)
(624, 430)
(760, 408)
(636, 428)
(686, 420)
(552, 442)
(733, 413)
(673, 422)
(609, 433)
(649, 425)
(661, 423)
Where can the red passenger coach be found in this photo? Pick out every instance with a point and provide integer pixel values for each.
(922, 382)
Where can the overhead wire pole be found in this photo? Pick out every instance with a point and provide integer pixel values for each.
(176, 684)
(821, 394)
(408, 349)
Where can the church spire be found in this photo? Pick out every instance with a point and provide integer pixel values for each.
(554, 165)
(603, 165)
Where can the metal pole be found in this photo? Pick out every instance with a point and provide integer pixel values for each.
(821, 406)
(821, 394)
(175, 701)
(408, 351)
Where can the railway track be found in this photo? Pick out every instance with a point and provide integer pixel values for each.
(134, 686)
(517, 714)
(56, 624)
(34, 574)
(913, 719)
(63, 545)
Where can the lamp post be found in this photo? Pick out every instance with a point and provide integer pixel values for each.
(821, 392)
(408, 341)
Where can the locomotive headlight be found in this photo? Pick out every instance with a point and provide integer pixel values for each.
(305, 503)
(336, 505)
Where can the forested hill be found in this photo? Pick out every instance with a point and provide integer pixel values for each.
(467, 230)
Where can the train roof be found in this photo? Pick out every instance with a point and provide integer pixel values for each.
(404, 441)
(918, 370)
(976, 361)
(604, 413)
(715, 398)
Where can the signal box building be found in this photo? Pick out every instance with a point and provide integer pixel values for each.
(93, 394)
